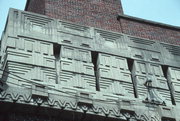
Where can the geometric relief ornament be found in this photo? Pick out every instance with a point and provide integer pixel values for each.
(149, 116)
(67, 104)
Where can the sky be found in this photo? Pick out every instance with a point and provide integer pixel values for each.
(4, 8)
(163, 11)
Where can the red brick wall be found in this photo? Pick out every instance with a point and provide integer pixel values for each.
(150, 31)
(95, 13)
(36, 6)
(102, 14)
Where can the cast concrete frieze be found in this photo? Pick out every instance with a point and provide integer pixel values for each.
(56, 64)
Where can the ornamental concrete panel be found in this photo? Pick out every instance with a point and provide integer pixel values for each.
(150, 82)
(75, 54)
(173, 78)
(113, 75)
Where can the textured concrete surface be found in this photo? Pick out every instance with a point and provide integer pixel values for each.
(52, 63)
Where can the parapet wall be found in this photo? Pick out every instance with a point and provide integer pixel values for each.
(103, 14)
(95, 13)
(150, 30)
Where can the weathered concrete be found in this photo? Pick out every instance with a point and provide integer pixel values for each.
(60, 65)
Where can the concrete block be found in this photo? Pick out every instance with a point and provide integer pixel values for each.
(171, 54)
(174, 81)
(30, 58)
(142, 43)
(112, 61)
(74, 29)
(137, 53)
(127, 106)
(139, 68)
(154, 56)
(110, 42)
(143, 70)
(176, 86)
(116, 87)
(114, 73)
(174, 74)
(76, 35)
(39, 91)
(81, 81)
(77, 66)
(75, 54)
(30, 45)
(177, 98)
(113, 67)
(167, 112)
(36, 26)
(84, 98)
(29, 73)
(143, 49)
(156, 70)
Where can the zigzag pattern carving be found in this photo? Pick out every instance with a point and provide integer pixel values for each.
(18, 96)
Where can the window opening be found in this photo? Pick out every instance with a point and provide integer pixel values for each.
(130, 67)
(94, 56)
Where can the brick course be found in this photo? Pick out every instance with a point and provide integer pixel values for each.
(150, 31)
(95, 13)
(36, 6)
(103, 14)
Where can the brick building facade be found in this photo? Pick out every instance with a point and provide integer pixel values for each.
(103, 14)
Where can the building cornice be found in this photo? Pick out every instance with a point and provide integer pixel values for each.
(140, 20)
